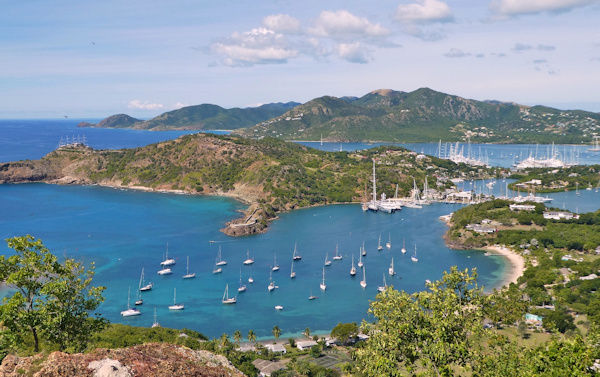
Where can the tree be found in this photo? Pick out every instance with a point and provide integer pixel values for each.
(53, 301)
(437, 328)
(276, 332)
(251, 336)
(307, 332)
(237, 336)
(344, 332)
(315, 351)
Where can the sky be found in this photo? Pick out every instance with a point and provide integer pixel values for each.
(93, 59)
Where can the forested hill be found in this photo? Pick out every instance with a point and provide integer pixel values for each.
(425, 115)
(199, 117)
(270, 174)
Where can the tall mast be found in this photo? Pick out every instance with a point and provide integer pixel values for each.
(374, 184)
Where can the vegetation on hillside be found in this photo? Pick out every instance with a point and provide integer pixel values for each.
(580, 177)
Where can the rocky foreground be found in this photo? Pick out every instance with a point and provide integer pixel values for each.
(148, 360)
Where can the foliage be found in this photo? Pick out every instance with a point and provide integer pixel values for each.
(52, 301)
(345, 332)
(435, 328)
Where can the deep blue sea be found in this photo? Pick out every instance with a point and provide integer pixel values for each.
(123, 231)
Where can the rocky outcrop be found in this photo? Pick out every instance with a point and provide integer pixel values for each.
(148, 360)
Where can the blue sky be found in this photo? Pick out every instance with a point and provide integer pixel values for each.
(92, 59)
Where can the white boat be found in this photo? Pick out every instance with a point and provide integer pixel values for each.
(165, 271)
(384, 286)
(272, 285)
(379, 247)
(217, 270)
(389, 243)
(353, 269)
(145, 287)
(168, 261)
(322, 285)
(275, 265)
(241, 288)
(296, 256)
(278, 307)
(403, 250)
(226, 298)
(220, 261)
(414, 256)
(155, 323)
(188, 275)
(311, 297)
(391, 269)
(292, 272)
(248, 259)
(363, 282)
(130, 312)
(360, 262)
(139, 300)
(336, 256)
(364, 251)
(175, 305)
(250, 280)
(327, 261)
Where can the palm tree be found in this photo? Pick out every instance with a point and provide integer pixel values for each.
(251, 336)
(224, 340)
(307, 332)
(276, 331)
(237, 336)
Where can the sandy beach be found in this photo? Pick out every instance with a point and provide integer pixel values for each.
(517, 262)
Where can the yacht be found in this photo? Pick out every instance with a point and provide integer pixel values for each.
(248, 259)
(311, 297)
(360, 262)
(175, 305)
(403, 250)
(271, 286)
(144, 287)
(353, 269)
(327, 261)
(414, 256)
(391, 269)
(389, 243)
(322, 285)
(226, 299)
(168, 261)
(296, 256)
(165, 271)
(275, 265)
(130, 312)
(363, 282)
(336, 256)
(220, 261)
(292, 272)
(379, 247)
(188, 275)
(241, 288)
(384, 286)
(155, 323)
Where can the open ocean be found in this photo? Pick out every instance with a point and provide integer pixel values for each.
(123, 231)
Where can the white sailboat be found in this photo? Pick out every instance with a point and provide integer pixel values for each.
(311, 297)
(130, 312)
(391, 269)
(384, 286)
(363, 282)
(275, 265)
(292, 272)
(155, 323)
(226, 299)
(353, 269)
(188, 275)
(360, 262)
(175, 305)
(145, 287)
(322, 285)
(139, 300)
(167, 261)
(271, 286)
(165, 271)
(250, 280)
(327, 261)
(389, 243)
(403, 250)
(248, 259)
(364, 251)
(220, 261)
(337, 256)
(296, 256)
(241, 288)
(414, 256)
(379, 247)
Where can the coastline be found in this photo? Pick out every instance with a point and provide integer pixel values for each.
(516, 261)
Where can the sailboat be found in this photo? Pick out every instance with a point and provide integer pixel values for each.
(403, 250)
(311, 297)
(360, 262)
(414, 256)
(220, 261)
(248, 259)
(389, 243)
(364, 251)
(175, 305)
(353, 269)
(168, 261)
(379, 247)
(241, 288)
(322, 285)
(296, 256)
(363, 282)
(336, 256)
(155, 323)
(129, 312)
(165, 271)
(144, 287)
(382, 288)
(292, 272)
(226, 299)
(275, 265)
(188, 275)
(139, 300)
(577, 189)
(327, 261)
(271, 284)
(391, 269)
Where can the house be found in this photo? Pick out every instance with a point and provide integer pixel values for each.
(276, 348)
(589, 277)
(522, 207)
(267, 367)
(559, 215)
(305, 344)
(533, 319)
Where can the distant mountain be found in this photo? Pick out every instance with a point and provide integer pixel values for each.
(425, 115)
(199, 117)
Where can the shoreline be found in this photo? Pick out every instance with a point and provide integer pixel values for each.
(516, 261)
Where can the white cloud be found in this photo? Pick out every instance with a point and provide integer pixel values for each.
(343, 25)
(179, 105)
(144, 105)
(424, 12)
(520, 47)
(509, 8)
(282, 23)
(456, 53)
(353, 52)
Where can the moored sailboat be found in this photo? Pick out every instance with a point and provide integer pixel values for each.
(167, 261)
(188, 275)
(226, 299)
(322, 285)
(130, 312)
(241, 288)
(248, 259)
(220, 261)
(360, 262)
(363, 282)
(337, 256)
(144, 287)
(292, 272)
(327, 261)
(384, 286)
(353, 269)
(275, 265)
(296, 256)
(403, 250)
(389, 243)
(175, 305)
(391, 269)
(414, 256)
(379, 247)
